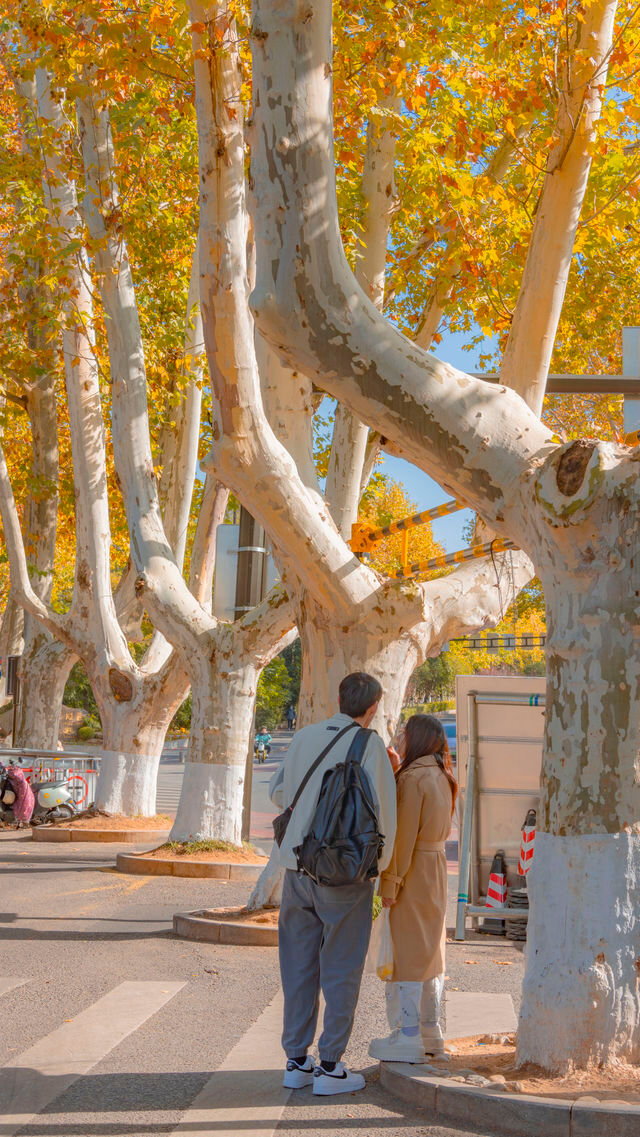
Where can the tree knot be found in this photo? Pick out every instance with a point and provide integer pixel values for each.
(121, 685)
(573, 466)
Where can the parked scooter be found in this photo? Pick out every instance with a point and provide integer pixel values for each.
(52, 799)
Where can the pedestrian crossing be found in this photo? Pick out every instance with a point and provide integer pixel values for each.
(244, 1094)
(169, 787)
(32, 1080)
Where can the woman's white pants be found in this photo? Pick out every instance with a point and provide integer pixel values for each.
(414, 1008)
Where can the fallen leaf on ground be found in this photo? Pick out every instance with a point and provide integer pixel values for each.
(503, 962)
(472, 961)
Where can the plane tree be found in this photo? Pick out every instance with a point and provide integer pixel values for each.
(572, 506)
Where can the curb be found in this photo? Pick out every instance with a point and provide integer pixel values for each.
(174, 866)
(511, 1115)
(114, 836)
(190, 926)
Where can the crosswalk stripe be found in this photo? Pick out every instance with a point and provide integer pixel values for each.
(8, 983)
(251, 1073)
(35, 1078)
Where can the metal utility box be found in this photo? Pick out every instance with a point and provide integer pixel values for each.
(507, 729)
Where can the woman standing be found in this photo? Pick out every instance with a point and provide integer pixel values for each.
(414, 888)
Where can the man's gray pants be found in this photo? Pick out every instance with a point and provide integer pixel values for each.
(323, 940)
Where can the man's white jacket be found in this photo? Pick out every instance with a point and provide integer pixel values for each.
(305, 747)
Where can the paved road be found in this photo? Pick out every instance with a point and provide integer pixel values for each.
(148, 1019)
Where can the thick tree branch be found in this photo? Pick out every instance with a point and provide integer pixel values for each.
(475, 596)
(151, 551)
(179, 442)
(478, 440)
(21, 586)
(350, 436)
(247, 455)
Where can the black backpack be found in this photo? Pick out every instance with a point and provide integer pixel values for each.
(344, 843)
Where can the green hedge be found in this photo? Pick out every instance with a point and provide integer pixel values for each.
(429, 708)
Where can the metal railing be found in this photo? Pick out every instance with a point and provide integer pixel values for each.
(78, 768)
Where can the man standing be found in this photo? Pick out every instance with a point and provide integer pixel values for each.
(324, 931)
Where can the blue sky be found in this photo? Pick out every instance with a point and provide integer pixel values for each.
(425, 492)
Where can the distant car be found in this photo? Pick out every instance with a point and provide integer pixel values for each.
(450, 731)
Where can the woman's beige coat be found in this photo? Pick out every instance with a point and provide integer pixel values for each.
(417, 875)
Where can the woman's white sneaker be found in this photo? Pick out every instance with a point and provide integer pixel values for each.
(338, 1081)
(297, 1077)
(397, 1047)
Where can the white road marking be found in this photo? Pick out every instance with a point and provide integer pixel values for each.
(35, 1078)
(245, 1095)
(478, 1012)
(8, 983)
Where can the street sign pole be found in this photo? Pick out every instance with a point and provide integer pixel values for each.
(251, 585)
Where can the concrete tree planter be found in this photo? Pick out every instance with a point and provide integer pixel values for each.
(512, 1115)
(214, 929)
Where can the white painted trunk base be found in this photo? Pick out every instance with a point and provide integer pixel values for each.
(581, 999)
(127, 783)
(210, 804)
(268, 890)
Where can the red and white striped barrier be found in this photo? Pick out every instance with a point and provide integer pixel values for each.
(497, 887)
(527, 843)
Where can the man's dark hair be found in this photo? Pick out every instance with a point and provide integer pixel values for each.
(357, 693)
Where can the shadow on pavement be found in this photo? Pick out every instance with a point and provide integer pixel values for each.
(49, 934)
(174, 1092)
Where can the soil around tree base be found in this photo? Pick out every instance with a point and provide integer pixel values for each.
(263, 916)
(114, 821)
(95, 825)
(227, 854)
(612, 1083)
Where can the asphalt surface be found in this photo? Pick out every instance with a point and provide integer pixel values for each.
(75, 930)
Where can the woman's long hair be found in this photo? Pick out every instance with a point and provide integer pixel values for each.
(425, 735)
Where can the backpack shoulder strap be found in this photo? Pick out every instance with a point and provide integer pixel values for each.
(359, 745)
(314, 766)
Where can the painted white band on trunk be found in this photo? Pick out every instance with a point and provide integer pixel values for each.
(127, 783)
(580, 994)
(210, 804)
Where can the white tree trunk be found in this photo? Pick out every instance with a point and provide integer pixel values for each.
(581, 1004)
(221, 720)
(127, 782)
(581, 1001)
(44, 670)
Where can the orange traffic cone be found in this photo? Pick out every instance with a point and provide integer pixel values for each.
(527, 843)
(496, 894)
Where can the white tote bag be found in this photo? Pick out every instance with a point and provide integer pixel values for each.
(379, 959)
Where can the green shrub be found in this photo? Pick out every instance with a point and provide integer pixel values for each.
(428, 708)
(86, 731)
